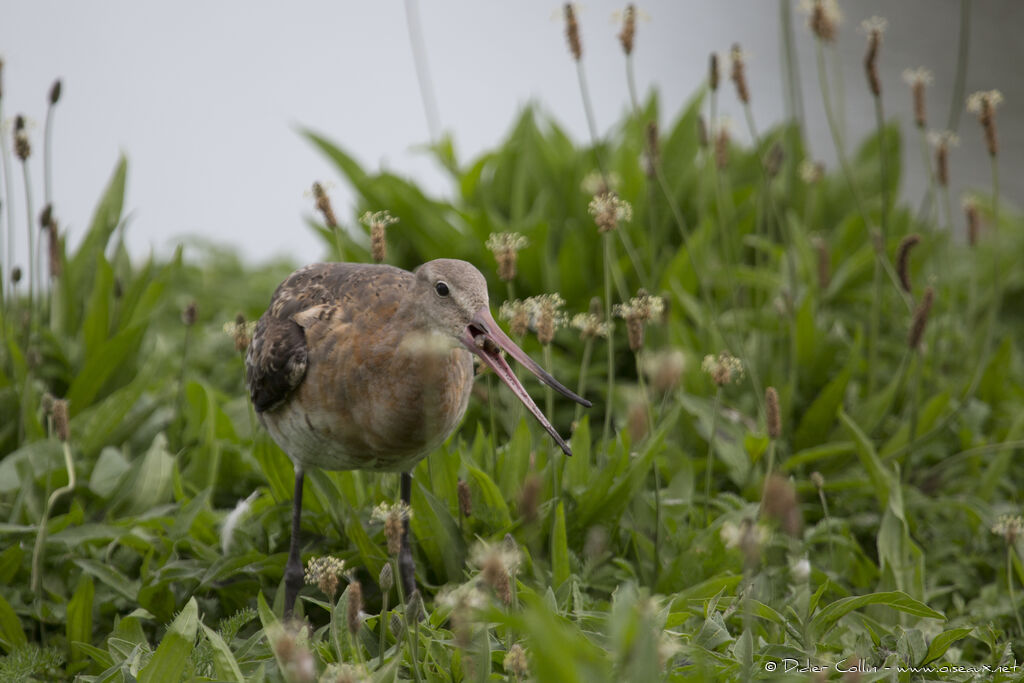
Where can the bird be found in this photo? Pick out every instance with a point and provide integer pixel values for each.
(370, 367)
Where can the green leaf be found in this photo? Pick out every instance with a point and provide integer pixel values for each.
(881, 478)
(110, 576)
(493, 509)
(818, 419)
(11, 634)
(224, 662)
(559, 549)
(942, 642)
(825, 619)
(79, 616)
(171, 656)
(99, 367)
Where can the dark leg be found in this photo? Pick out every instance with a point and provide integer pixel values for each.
(406, 567)
(293, 574)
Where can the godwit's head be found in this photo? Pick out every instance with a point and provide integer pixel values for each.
(450, 299)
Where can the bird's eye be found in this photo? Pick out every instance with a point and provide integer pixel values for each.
(441, 288)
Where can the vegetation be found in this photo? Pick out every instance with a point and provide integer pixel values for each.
(801, 452)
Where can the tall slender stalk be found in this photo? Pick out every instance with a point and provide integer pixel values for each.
(716, 407)
(419, 52)
(963, 49)
(608, 256)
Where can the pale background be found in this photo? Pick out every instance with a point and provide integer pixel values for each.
(205, 99)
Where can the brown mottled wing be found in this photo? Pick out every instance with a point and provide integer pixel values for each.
(308, 301)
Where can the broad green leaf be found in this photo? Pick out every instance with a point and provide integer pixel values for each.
(942, 642)
(492, 508)
(110, 576)
(827, 617)
(11, 633)
(819, 418)
(881, 478)
(79, 616)
(171, 656)
(224, 662)
(99, 367)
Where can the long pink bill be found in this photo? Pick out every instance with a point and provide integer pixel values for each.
(484, 338)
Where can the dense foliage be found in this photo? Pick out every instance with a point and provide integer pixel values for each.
(661, 550)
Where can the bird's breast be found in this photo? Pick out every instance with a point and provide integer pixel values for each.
(374, 402)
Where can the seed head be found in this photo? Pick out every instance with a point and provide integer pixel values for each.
(903, 259)
(811, 171)
(386, 579)
(506, 246)
(498, 565)
(49, 224)
(984, 103)
(640, 310)
(724, 369)
(772, 415)
(55, 92)
(970, 207)
(628, 32)
(60, 419)
(722, 140)
(747, 536)
(738, 74)
(918, 79)
(942, 140)
(291, 648)
(393, 517)
(823, 18)
(595, 183)
(1010, 527)
(920, 320)
(188, 316)
(801, 569)
(590, 325)
(324, 573)
(874, 28)
(378, 222)
(528, 499)
(818, 480)
(463, 601)
(16, 274)
(779, 503)
(545, 315)
(465, 500)
(572, 32)
(515, 661)
(355, 606)
(664, 368)
(517, 314)
(713, 73)
(241, 332)
(22, 147)
(608, 211)
(323, 204)
(344, 673)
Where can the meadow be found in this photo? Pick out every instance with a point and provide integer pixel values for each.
(800, 463)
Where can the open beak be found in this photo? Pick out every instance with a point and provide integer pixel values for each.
(484, 338)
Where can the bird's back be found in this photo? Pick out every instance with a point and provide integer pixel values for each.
(333, 377)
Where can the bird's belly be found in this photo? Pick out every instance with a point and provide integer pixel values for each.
(383, 416)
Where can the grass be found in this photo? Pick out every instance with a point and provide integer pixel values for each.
(890, 537)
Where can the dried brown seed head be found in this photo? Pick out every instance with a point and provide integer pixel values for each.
(529, 498)
(984, 103)
(465, 500)
(738, 73)
(903, 259)
(713, 74)
(188, 316)
(55, 92)
(920, 320)
(780, 503)
(60, 419)
(572, 32)
(628, 33)
(773, 417)
(355, 606)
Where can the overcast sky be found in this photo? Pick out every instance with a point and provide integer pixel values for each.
(205, 99)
